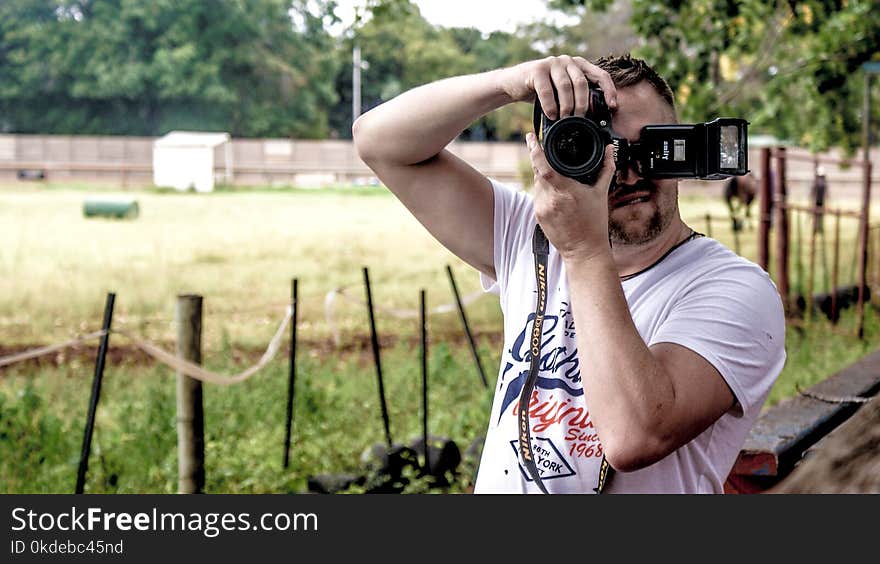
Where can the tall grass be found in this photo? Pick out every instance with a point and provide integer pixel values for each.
(240, 250)
(336, 419)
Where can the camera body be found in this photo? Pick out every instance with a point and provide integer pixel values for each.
(575, 145)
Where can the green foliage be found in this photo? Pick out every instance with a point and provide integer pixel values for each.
(402, 50)
(259, 68)
(336, 417)
(33, 440)
(819, 350)
(791, 67)
(270, 68)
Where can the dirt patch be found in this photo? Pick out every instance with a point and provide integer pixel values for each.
(123, 352)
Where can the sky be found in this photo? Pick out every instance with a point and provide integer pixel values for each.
(485, 15)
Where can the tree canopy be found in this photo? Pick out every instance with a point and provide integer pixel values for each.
(271, 68)
(790, 67)
(133, 67)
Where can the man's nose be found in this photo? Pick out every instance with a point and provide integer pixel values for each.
(627, 173)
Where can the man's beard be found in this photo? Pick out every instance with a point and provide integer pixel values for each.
(617, 230)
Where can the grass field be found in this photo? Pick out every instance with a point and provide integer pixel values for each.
(240, 250)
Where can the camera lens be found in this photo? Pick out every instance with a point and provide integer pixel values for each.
(574, 146)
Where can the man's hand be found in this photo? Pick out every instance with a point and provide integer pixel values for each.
(568, 75)
(574, 216)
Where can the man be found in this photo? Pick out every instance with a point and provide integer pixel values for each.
(659, 347)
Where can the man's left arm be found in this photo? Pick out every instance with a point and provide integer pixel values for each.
(645, 402)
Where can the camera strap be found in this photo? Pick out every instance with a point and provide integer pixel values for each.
(541, 250)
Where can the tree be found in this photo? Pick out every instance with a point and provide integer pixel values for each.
(404, 50)
(259, 68)
(789, 67)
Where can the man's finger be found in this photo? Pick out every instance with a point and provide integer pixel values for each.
(544, 91)
(544, 173)
(581, 89)
(600, 77)
(608, 169)
(564, 90)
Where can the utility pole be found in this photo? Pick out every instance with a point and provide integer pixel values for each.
(355, 83)
(357, 65)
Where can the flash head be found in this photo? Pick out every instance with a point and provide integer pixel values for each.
(709, 151)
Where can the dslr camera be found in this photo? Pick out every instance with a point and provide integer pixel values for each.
(575, 145)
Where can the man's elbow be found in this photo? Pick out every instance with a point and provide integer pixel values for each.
(630, 453)
(361, 134)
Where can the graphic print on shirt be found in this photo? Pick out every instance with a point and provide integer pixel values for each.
(550, 462)
(561, 428)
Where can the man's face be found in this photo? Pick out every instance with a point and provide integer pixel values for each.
(640, 209)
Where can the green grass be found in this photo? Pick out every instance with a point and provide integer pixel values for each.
(337, 414)
(337, 417)
(240, 249)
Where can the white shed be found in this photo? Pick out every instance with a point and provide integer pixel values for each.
(188, 160)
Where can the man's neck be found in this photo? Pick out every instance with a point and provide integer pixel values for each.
(634, 258)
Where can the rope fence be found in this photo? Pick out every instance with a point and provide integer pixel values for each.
(186, 362)
(158, 353)
(195, 371)
(48, 349)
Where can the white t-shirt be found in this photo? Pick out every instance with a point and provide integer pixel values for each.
(701, 296)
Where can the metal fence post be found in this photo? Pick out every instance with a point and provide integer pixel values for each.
(96, 395)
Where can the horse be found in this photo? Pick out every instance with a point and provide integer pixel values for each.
(740, 192)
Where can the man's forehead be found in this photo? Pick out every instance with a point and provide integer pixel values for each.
(640, 105)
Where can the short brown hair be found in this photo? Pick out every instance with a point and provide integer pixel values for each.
(626, 70)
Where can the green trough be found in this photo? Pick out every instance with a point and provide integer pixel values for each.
(120, 208)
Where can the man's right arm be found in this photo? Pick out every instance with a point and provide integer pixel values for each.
(404, 142)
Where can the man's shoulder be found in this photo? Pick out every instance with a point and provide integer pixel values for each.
(514, 210)
(510, 191)
(710, 259)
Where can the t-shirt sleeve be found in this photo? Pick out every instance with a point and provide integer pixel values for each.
(514, 221)
(734, 320)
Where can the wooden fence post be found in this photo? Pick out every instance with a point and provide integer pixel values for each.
(866, 198)
(781, 206)
(765, 201)
(864, 221)
(190, 410)
(835, 267)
